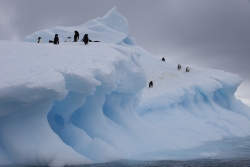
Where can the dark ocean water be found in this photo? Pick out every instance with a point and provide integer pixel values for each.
(186, 163)
(231, 152)
(168, 163)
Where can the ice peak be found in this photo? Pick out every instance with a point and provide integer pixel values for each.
(116, 21)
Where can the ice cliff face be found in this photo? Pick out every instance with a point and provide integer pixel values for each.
(72, 104)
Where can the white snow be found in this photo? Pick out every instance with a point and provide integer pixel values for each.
(72, 104)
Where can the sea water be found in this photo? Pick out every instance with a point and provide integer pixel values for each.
(229, 152)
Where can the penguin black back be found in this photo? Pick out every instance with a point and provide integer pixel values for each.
(56, 40)
(76, 36)
(86, 39)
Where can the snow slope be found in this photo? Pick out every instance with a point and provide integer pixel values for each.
(73, 104)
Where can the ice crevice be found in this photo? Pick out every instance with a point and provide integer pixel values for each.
(80, 118)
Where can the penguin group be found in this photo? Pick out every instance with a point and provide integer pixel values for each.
(85, 39)
(178, 67)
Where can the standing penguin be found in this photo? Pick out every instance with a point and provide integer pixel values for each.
(76, 36)
(179, 67)
(56, 40)
(150, 84)
(40, 40)
(163, 59)
(85, 39)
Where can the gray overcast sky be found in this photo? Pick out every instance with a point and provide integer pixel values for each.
(203, 33)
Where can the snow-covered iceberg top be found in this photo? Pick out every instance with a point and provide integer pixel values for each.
(72, 104)
(111, 28)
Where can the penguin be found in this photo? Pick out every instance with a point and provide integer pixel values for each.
(85, 39)
(188, 69)
(68, 39)
(150, 84)
(40, 40)
(56, 40)
(76, 36)
(163, 59)
(179, 67)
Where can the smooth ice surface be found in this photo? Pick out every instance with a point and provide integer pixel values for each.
(71, 103)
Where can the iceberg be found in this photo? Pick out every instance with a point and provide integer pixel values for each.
(72, 104)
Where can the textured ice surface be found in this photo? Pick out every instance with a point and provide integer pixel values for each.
(71, 103)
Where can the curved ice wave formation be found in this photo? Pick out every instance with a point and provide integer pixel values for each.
(73, 104)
